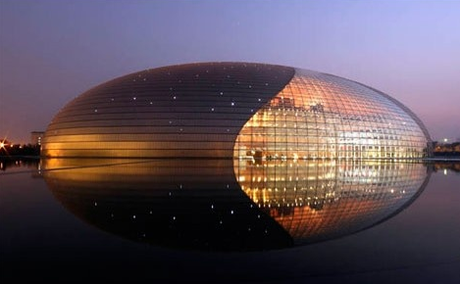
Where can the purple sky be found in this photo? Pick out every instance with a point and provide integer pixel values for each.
(51, 51)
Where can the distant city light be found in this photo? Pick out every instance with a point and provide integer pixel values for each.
(3, 144)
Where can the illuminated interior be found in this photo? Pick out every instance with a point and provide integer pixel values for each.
(322, 116)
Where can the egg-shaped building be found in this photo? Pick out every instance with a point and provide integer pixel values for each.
(235, 110)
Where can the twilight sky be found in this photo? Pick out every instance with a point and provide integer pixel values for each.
(51, 51)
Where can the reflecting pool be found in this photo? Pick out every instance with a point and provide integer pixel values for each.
(325, 221)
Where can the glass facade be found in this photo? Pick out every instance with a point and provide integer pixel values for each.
(235, 110)
(323, 116)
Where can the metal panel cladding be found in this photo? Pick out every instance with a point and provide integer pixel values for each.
(235, 110)
(192, 110)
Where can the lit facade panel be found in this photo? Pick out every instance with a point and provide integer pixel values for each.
(235, 110)
(323, 116)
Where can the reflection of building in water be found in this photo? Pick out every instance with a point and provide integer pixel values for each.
(18, 164)
(229, 204)
(319, 200)
(176, 203)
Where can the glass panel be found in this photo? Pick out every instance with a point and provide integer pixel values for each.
(322, 116)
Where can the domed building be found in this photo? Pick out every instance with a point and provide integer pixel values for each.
(235, 110)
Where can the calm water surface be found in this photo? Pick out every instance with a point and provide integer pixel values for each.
(221, 221)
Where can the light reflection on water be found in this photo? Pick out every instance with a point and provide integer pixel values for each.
(321, 200)
(233, 205)
(417, 245)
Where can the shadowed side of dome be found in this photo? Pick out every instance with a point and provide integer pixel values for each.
(191, 110)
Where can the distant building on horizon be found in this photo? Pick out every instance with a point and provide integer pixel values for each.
(36, 137)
